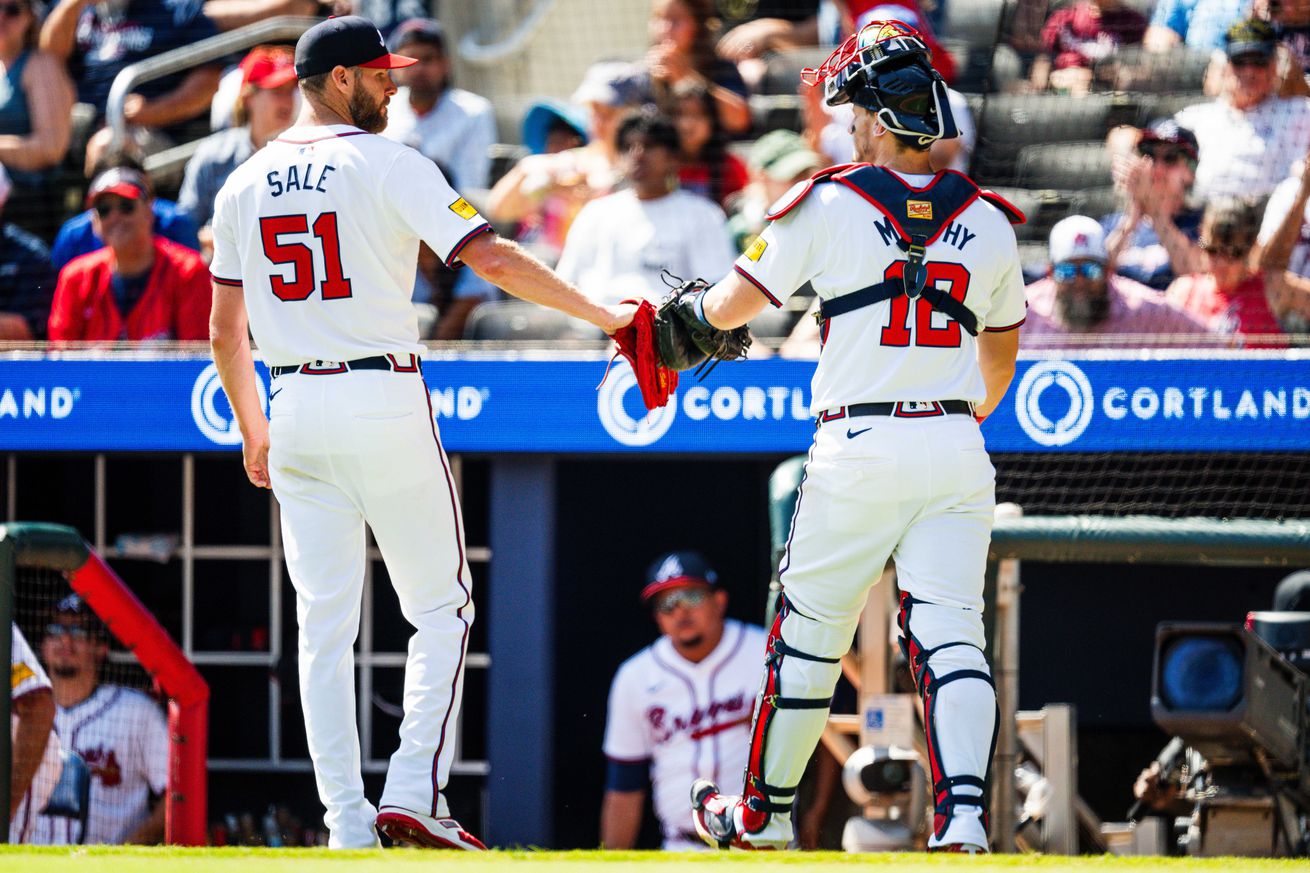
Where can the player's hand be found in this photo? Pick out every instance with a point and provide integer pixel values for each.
(254, 455)
(616, 317)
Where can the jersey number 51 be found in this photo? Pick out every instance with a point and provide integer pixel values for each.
(300, 256)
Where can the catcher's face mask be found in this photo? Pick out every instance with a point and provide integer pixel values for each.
(887, 69)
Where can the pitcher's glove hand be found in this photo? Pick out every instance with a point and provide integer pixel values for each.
(636, 343)
(685, 340)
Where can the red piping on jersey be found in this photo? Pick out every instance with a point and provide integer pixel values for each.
(459, 246)
(618, 760)
(1007, 327)
(234, 283)
(756, 282)
(468, 598)
(321, 138)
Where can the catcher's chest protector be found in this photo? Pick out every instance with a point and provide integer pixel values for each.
(918, 216)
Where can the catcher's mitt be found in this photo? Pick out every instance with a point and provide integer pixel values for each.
(684, 339)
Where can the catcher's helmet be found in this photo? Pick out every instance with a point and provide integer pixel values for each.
(886, 68)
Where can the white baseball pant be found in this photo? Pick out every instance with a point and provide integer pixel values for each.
(345, 450)
(920, 490)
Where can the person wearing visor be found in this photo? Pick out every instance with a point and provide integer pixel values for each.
(921, 296)
(140, 286)
(1081, 299)
(316, 242)
(685, 698)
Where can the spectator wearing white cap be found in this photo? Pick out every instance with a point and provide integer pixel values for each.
(1081, 300)
(27, 280)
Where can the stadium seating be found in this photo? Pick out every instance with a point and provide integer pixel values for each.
(1011, 121)
(1063, 165)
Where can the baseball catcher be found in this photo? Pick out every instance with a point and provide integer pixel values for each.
(920, 299)
(661, 343)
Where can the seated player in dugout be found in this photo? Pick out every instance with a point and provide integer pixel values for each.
(121, 734)
(686, 699)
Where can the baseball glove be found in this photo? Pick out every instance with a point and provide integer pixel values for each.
(685, 340)
(636, 343)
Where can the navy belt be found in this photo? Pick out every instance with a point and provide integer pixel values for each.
(410, 364)
(903, 409)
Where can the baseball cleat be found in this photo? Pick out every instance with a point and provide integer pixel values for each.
(960, 848)
(404, 827)
(717, 818)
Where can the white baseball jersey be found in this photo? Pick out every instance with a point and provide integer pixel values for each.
(26, 676)
(123, 737)
(279, 227)
(688, 720)
(896, 350)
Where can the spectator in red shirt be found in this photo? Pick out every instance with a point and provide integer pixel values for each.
(1229, 296)
(1077, 36)
(708, 168)
(140, 286)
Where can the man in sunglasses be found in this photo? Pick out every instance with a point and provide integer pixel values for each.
(1082, 300)
(1250, 137)
(1154, 238)
(120, 733)
(140, 286)
(681, 705)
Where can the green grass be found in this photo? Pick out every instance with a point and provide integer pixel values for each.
(27, 859)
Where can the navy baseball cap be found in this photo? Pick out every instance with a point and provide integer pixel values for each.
(348, 41)
(678, 570)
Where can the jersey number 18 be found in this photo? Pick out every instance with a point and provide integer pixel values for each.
(300, 256)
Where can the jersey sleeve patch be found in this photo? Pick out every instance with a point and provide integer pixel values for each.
(757, 248)
(18, 674)
(464, 209)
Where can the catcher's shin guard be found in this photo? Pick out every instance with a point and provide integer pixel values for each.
(944, 647)
(802, 665)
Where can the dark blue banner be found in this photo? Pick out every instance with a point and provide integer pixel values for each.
(754, 407)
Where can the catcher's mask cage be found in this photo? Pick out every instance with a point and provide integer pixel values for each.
(886, 68)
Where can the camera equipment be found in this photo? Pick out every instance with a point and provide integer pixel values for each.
(890, 783)
(1235, 695)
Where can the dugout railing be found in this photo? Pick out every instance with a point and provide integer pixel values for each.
(44, 548)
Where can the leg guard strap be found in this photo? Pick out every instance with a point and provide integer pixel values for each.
(798, 702)
(781, 648)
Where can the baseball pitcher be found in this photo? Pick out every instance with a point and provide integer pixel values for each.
(316, 241)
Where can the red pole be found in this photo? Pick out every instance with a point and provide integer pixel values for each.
(188, 709)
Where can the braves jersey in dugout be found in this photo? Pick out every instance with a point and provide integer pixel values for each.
(687, 719)
(123, 737)
(321, 227)
(833, 232)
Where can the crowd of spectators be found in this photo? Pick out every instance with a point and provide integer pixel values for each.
(657, 162)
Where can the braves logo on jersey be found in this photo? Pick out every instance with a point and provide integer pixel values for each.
(104, 765)
(701, 722)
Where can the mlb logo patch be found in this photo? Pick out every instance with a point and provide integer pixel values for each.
(757, 248)
(463, 209)
(921, 209)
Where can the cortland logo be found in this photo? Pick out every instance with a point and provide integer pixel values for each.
(1027, 403)
(615, 418)
(217, 426)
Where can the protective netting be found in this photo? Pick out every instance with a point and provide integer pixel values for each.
(1264, 485)
(106, 713)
